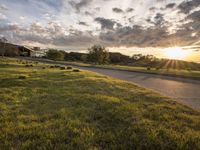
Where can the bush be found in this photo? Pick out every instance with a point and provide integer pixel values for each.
(56, 66)
(55, 55)
(28, 65)
(69, 67)
(62, 68)
(22, 77)
(148, 68)
(43, 67)
(157, 68)
(76, 70)
(52, 67)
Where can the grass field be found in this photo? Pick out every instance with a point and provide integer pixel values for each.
(50, 108)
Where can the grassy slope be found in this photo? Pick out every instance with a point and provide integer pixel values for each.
(62, 109)
(193, 74)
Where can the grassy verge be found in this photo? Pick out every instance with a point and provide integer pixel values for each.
(51, 108)
(191, 74)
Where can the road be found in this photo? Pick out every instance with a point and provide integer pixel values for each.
(184, 91)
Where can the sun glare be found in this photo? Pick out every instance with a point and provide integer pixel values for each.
(175, 53)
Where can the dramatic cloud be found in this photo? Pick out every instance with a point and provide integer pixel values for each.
(170, 5)
(106, 23)
(3, 8)
(159, 19)
(117, 10)
(129, 9)
(81, 23)
(80, 4)
(187, 6)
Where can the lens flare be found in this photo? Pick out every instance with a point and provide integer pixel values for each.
(175, 53)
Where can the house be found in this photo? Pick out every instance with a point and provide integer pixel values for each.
(37, 52)
(8, 49)
(25, 51)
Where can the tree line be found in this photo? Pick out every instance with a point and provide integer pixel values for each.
(99, 55)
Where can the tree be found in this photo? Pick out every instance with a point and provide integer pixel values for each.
(84, 57)
(54, 54)
(118, 58)
(4, 41)
(98, 54)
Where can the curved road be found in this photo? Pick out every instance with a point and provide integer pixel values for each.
(185, 91)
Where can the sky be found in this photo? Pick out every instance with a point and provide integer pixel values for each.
(128, 26)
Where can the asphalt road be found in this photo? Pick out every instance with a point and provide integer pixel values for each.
(184, 91)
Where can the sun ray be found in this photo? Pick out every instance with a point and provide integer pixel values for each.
(175, 53)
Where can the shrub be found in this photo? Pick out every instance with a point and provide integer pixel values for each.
(56, 66)
(157, 68)
(52, 66)
(62, 68)
(55, 55)
(43, 67)
(22, 77)
(69, 67)
(76, 70)
(28, 65)
(148, 68)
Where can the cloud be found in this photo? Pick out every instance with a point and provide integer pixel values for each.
(78, 38)
(170, 5)
(106, 23)
(22, 17)
(3, 7)
(2, 17)
(134, 36)
(88, 13)
(195, 16)
(187, 6)
(117, 10)
(80, 4)
(129, 10)
(8, 28)
(159, 19)
(83, 23)
(36, 27)
(152, 8)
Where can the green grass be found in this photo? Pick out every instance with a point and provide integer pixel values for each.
(169, 72)
(62, 109)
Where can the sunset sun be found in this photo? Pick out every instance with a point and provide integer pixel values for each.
(175, 53)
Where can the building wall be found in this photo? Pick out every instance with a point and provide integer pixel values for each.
(8, 49)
